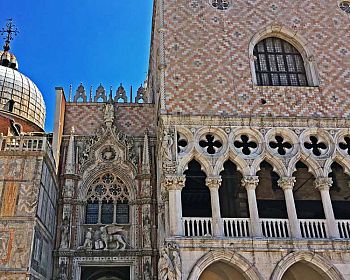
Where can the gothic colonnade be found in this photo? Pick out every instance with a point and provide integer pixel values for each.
(175, 183)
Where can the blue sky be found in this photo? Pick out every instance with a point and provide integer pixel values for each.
(71, 41)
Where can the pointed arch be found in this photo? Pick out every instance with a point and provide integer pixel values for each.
(276, 163)
(340, 159)
(295, 39)
(202, 160)
(323, 265)
(313, 166)
(242, 165)
(234, 259)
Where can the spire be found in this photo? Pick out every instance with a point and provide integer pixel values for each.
(145, 156)
(69, 168)
(6, 58)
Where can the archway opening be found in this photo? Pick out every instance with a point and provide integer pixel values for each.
(104, 273)
(233, 197)
(270, 197)
(195, 196)
(340, 192)
(302, 270)
(221, 271)
(307, 198)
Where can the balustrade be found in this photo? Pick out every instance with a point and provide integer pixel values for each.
(312, 228)
(236, 227)
(197, 226)
(275, 228)
(344, 228)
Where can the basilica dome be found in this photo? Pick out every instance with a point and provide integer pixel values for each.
(20, 96)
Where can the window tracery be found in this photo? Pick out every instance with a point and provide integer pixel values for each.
(107, 201)
(345, 6)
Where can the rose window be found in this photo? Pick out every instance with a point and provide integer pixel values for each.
(210, 144)
(345, 145)
(181, 143)
(220, 4)
(280, 145)
(316, 146)
(246, 145)
(107, 201)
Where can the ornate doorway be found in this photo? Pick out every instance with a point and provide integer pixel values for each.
(105, 273)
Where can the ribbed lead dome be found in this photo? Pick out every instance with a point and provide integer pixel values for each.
(20, 96)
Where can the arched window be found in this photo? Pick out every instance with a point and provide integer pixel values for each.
(107, 201)
(278, 63)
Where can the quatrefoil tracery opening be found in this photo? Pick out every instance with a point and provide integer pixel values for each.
(245, 145)
(108, 188)
(345, 145)
(181, 143)
(210, 144)
(280, 145)
(220, 4)
(315, 146)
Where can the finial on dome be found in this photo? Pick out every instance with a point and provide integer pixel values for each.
(11, 31)
(6, 58)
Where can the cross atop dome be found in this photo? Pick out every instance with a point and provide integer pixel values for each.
(7, 59)
(9, 31)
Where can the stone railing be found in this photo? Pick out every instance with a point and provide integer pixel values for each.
(312, 228)
(271, 228)
(236, 227)
(26, 143)
(344, 228)
(275, 228)
(197, 226)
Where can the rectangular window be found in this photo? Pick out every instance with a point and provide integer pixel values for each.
(92, 213)
(122, 213)
(107, 210)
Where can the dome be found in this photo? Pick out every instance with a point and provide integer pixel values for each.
(20, 96)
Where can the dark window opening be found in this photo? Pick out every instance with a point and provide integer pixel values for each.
(278, 63)
(10, 105)
(122, 213)
(107, 209)
(233, 198)
(307, 199)
(340, 192)
(195, 196)
(98, 272)
(270, 197)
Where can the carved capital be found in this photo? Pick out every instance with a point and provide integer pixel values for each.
(174, 182)
(250, 182)
(324, 183)
(213, 182)
(286, 183)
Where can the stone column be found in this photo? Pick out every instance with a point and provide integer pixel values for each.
(287, 184)
(174, 185)
(250, 183)
(323, 185)
(213, 183)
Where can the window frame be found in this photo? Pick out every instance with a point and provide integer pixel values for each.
(296, 41)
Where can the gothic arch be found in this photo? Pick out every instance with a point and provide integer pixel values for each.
(313, 166)
(341, 160)
(294, 38)
(202, 160)
(322, 264)
(91, 175)
(276, 163)
(241, 164)
(231, 258)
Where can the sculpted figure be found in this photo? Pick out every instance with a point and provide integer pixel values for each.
(147, 274)
(88, 240)
(167, 146)
(98, 244)
(147, 230)
(177, 265)
(64, 233)
(109, 113)
(165, 267)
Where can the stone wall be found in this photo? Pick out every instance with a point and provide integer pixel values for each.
(208, 59)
